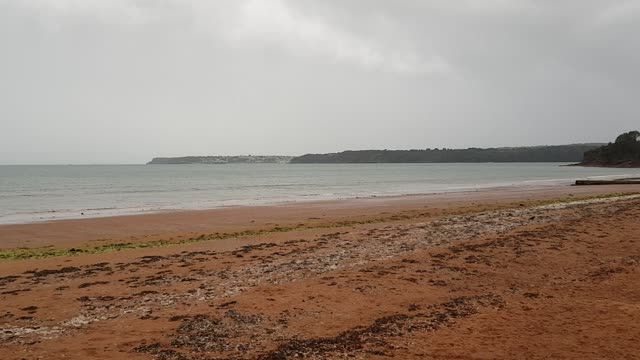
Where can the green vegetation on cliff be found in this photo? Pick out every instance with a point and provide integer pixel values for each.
(624, 152)
(560, 153)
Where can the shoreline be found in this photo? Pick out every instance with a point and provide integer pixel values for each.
(187, 224)
(36, 206)
(86, 214)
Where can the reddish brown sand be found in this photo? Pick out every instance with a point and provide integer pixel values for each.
(493, 274)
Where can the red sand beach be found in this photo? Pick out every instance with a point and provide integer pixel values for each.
(537, 273)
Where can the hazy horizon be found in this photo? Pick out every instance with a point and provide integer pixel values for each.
(260, 154)
(123, 81)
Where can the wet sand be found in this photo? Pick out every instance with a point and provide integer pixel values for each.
(186, 224)
(513, 273)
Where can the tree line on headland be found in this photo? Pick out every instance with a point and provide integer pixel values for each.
(559, 153)
(624, 152)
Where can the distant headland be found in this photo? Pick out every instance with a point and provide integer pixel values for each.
(624, 152)
(558, 153)
(240, 159)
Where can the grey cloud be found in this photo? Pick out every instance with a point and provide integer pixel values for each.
(125, 80)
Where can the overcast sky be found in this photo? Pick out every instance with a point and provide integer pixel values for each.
(122, 81)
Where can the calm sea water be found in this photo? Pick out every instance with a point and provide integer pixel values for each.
(42, 193)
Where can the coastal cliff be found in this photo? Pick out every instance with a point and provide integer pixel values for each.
(624, 152)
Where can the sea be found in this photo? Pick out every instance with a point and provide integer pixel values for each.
(45, 193)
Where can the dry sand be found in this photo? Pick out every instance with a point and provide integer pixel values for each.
(512, 273)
